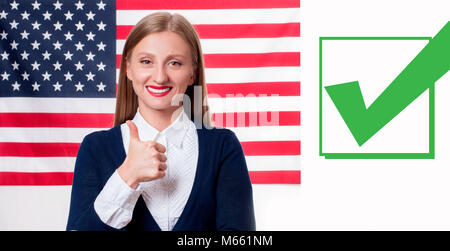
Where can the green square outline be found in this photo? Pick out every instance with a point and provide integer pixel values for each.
(431, 133)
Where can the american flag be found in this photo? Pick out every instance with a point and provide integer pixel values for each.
(60, 63)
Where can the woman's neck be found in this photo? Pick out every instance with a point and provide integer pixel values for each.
(160, 119)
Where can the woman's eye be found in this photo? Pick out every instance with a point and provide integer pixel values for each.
(174, 63)
(145, 61)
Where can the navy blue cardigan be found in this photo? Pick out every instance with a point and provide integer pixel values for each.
(221, 196)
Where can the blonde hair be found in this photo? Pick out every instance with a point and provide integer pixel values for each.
(126, 100)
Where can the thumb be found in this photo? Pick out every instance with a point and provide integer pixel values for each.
(134, 135)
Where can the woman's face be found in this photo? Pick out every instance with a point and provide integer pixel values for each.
(160, 67)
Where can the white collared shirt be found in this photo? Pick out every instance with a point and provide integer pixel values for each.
(166, 197)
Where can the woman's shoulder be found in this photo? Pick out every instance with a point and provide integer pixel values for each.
(105, 136)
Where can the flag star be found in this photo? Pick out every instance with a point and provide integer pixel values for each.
(79, 5)
(3, 14)
(5, 76)
(15, 65)
(101, 66)
(79, 86)
(68, 55)
(35, 66)
(46, 76)
(90, 36)
(46, 55)
(101, 26)
(57, 5)
(58, 25)
(36, 25)
(101, 46)
(35, 86)
(14, 5)
(46, 35)
(101, 87)
(25, 15)
(4, 55)
(68, 15)
(14, 45)
(57, 86)
(79, 46)
(16, 86)
(4, 35)
(90, 16)
(79, 66)
(25, 76)
(36, 5)
(14, 24)
(101, 5)
(90, 56)
(24, 34)
(79, 25)
(57, 45)
(57, 66)
(46, 15)
(25, 55)
(68, 76)
(90, 76)
(68, 35)
(35, 45)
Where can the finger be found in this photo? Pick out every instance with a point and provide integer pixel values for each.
(162, 157)
(162, 166)
(160, 147)
(134, 135)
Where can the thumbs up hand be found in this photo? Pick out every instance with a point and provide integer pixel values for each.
(145, 161)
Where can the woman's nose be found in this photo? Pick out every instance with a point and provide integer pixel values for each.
(160, 75)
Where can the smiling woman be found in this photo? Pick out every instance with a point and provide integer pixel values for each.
(158, 169)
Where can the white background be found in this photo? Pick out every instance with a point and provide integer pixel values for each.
(334, 194)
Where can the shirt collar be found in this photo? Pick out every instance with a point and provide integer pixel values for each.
(174, 133)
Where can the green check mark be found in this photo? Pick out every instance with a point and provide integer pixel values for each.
(432, 62)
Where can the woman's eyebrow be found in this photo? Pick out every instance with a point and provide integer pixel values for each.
(152, 55)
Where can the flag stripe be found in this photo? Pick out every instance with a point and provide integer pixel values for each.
(18, 149)
(241, 60)
(258, 148)
(269, 88)
(275, 177)
(210, 4)
(65, 178)
(73, 120)
(36, 179)
(239, 119)
(223, 31)
(219, 16)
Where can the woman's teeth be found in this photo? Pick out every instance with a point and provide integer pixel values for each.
(158, 90)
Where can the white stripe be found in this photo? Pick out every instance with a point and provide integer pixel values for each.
(222, 16)
(266, 133)
(44, 135)
(254, 104)
(248, 75)
(32, 164)
(58, 105)
(241, 45)
(270, 163)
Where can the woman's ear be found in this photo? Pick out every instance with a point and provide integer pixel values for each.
(128, 70)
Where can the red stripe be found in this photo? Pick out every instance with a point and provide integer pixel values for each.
(275, 177)
(265, 148)
(14, 149)
(257, 89)
(216, 31)
(36, 179)
(66, 178)
(210, 4)
(245, 119)
(74, 120)
(246, 60)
